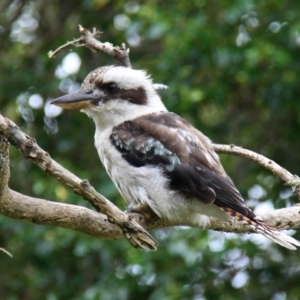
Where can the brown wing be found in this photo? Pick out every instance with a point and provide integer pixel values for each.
(183, 153)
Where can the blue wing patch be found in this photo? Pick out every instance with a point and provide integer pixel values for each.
(142, 149)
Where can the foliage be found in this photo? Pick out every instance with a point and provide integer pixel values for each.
(231, 67)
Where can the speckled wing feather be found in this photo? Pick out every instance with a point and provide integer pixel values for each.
(183, 153)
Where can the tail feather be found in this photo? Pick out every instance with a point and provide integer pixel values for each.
(263, 228)
(277, 236)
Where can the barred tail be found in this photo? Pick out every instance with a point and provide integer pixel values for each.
(263, 228)
(276, 236)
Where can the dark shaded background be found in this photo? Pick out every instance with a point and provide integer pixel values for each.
(233, 71)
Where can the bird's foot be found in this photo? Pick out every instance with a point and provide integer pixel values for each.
(143, 209)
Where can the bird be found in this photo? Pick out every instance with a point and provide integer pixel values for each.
(157, 159)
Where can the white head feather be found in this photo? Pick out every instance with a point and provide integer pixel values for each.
(118, 110)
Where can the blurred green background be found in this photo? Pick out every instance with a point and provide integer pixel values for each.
(232, 68)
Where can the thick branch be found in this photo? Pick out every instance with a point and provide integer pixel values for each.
(84, 220)
(90, 40)
(43, 212)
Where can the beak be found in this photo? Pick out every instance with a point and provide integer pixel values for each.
(76, 100)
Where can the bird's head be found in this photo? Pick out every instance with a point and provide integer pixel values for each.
(114, 94)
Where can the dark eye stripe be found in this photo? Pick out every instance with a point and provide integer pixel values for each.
(135, 96)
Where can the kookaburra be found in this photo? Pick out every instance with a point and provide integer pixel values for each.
(154, 157)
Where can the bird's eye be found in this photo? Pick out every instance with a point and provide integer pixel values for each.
(111, 87)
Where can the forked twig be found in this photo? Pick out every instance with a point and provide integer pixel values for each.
(90, 40)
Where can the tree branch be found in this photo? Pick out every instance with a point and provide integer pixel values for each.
(43, 212)
(291, 180)
(40, 211)
(90, 40)
(4, 164)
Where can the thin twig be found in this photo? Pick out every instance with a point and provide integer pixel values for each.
(75, 43)
(90, 40)
(5, 251)
(289, 179)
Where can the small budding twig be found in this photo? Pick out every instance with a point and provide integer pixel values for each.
(90, 40)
